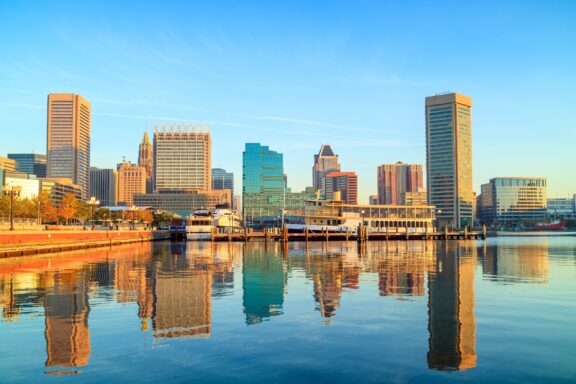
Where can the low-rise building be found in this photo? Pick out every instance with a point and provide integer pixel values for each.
(182, 202)
(29, 185)
(562, 208)
(56, 188)
(512, 201)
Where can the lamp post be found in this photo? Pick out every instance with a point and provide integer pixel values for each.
(92, 203)
(133, 209)
(12, 192)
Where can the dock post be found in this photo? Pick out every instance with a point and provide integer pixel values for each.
(306, 234)
(346, 234)
(326, 234)
(446, 232)
(466, 233)
(484, 231)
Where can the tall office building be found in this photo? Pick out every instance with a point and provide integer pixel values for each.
(394, 180)
(182, 158)
(146, 160)
(223, 180)
(131, 181)
(344, 182)
(68, 142)
(104, 186)
(31, 163)
(449, 158)
(325, 162)
(511, 201)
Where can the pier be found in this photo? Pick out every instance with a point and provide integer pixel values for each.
(361, 235)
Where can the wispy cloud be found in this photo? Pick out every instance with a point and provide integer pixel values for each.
(316, 123)
(21, 105)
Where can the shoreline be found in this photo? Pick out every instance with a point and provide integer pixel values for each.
(23, 243)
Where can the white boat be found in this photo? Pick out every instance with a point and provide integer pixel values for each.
(338, 217)
(199, 225)
(226, 220)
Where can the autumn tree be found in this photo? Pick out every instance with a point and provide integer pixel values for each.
(145, 216)
(48, 212)
(68, 207)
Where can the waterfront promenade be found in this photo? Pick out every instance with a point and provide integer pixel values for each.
(30, 242)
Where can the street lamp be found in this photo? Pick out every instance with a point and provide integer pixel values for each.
(92, 203)
(12, 192)
(133, 209)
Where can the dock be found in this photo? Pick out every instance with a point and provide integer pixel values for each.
(362, 235)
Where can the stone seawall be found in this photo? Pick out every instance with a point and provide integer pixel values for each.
(22, 243)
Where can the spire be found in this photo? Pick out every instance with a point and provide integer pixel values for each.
(326, 150)
(146, 139)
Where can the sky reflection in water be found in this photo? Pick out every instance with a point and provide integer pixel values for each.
(501, 310)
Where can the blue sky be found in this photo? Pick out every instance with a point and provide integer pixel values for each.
(296, 74)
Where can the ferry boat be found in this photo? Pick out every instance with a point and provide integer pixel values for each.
(338, 217)
(199, 225)
(226, 220)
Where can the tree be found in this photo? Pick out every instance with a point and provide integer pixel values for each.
(145, 216)
(48, 213)
(68, 207)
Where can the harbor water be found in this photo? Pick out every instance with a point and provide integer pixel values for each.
(496, 310)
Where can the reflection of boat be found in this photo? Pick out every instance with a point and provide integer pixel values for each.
(337, 216)
(226, 219)
(199, 225)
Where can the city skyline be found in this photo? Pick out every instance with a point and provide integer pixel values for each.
(319, 84)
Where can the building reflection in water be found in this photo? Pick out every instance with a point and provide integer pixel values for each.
(264, 280)
(181, 290)
(451, 321)
(66, 317)
(518, 263)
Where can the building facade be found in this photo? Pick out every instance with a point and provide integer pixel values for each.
(562, 208)
(131, 181)
(344, 182)
(449, 158)
(182, 202)
(29, 185)
(182, 158)
(325, 162)
(223, 180)
(68, 139)
(263, 183)
(57, 188)
(419, 197)
(7, 164)
(513, 201)
(395, 180)
(146, 160)
(31, 163)
(104, 186)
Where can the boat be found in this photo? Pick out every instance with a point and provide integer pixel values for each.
(226, 220)
(555, 226)
(335, 216)
(199, 225)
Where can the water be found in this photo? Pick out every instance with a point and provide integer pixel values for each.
(501, 310)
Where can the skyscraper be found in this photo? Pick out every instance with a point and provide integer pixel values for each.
(223, 180)
(394, 180)
(68, 142)
(31, 163)
(325, 162)
(146, 160)
(344, 182)
(182, 158)
(449, 158)
(104, 185)
(131, 181)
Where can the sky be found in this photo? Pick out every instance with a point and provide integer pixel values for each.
(294, 75)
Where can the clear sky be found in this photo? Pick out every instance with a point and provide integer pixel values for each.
(296, 74)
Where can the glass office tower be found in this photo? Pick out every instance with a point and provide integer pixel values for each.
(449, 158)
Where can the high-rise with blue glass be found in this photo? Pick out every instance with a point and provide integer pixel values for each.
(449, 158)
(263, 185)
(265, 197)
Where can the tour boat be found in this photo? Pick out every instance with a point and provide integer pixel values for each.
(226, 220)
(338, 217)
(199, 225)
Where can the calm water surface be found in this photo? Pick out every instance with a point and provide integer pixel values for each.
(501, 310)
